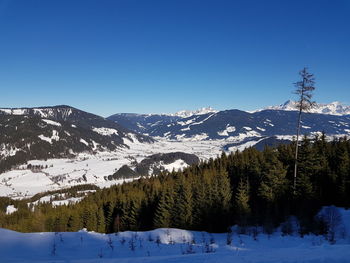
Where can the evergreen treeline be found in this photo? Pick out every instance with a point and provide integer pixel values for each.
(245, 188)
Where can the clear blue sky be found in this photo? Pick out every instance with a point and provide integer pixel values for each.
(109, 56)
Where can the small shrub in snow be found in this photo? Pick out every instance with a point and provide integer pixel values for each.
(229, 238)
(291, 226)
(140, 243)
(158, 241)
(255, 233)
(209, 248)
(332, 221)
(268, 228)
(242, 230)
(110, 243)
(132, 244)
(53, 249)
(171, 241)
(317, 242)
(184, 239)
(193, 241)
(212, 240)
(203, 238)
(135, 235)
(189, 249)
(240, 240)
(122, 241)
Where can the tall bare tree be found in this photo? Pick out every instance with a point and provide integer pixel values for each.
(304, 89)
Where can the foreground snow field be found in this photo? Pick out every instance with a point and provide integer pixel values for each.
(172, 245)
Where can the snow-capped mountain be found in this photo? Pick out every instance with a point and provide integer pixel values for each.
(189, 113)
(144, 122)
(57, 132)
(233, 125)
(333, 108)
(235, 129)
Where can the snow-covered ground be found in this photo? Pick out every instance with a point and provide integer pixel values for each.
(172, 245)
(93, 168)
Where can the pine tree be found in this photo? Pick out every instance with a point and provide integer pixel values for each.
(308, 165)
(242, 203)
(343, 173)
(108, 209)
(162, 217)
(274, 181)
(100, 221)
(304, 89)
(182, 210)
(130, 217)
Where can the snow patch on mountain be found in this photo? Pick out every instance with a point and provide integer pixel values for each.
(10, 209)
(51, 122)
(6, 150)
(242, 136)
(227, 130)
(84, 142)
(243, 146)
(197, 137)
(192, 123)
(54, 137)
(176, 165)
(105, 131)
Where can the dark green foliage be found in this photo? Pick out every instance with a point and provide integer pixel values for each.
(146, 164)
(246, 188)
(123, 172)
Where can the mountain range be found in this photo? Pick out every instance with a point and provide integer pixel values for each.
(48, 148)
(237, 125)
(333, 108)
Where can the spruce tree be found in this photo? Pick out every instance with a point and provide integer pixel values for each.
(242, 203)
(304, 89)
(182, 210)
(274, 182)
(162, 217)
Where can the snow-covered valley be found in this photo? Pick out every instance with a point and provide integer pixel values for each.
(24, 182)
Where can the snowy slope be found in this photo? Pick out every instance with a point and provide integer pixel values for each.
(171, 245)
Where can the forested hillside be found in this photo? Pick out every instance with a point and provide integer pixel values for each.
(248, 188)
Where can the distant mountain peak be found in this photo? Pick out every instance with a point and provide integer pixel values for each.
(333, 108)
(188, 113)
